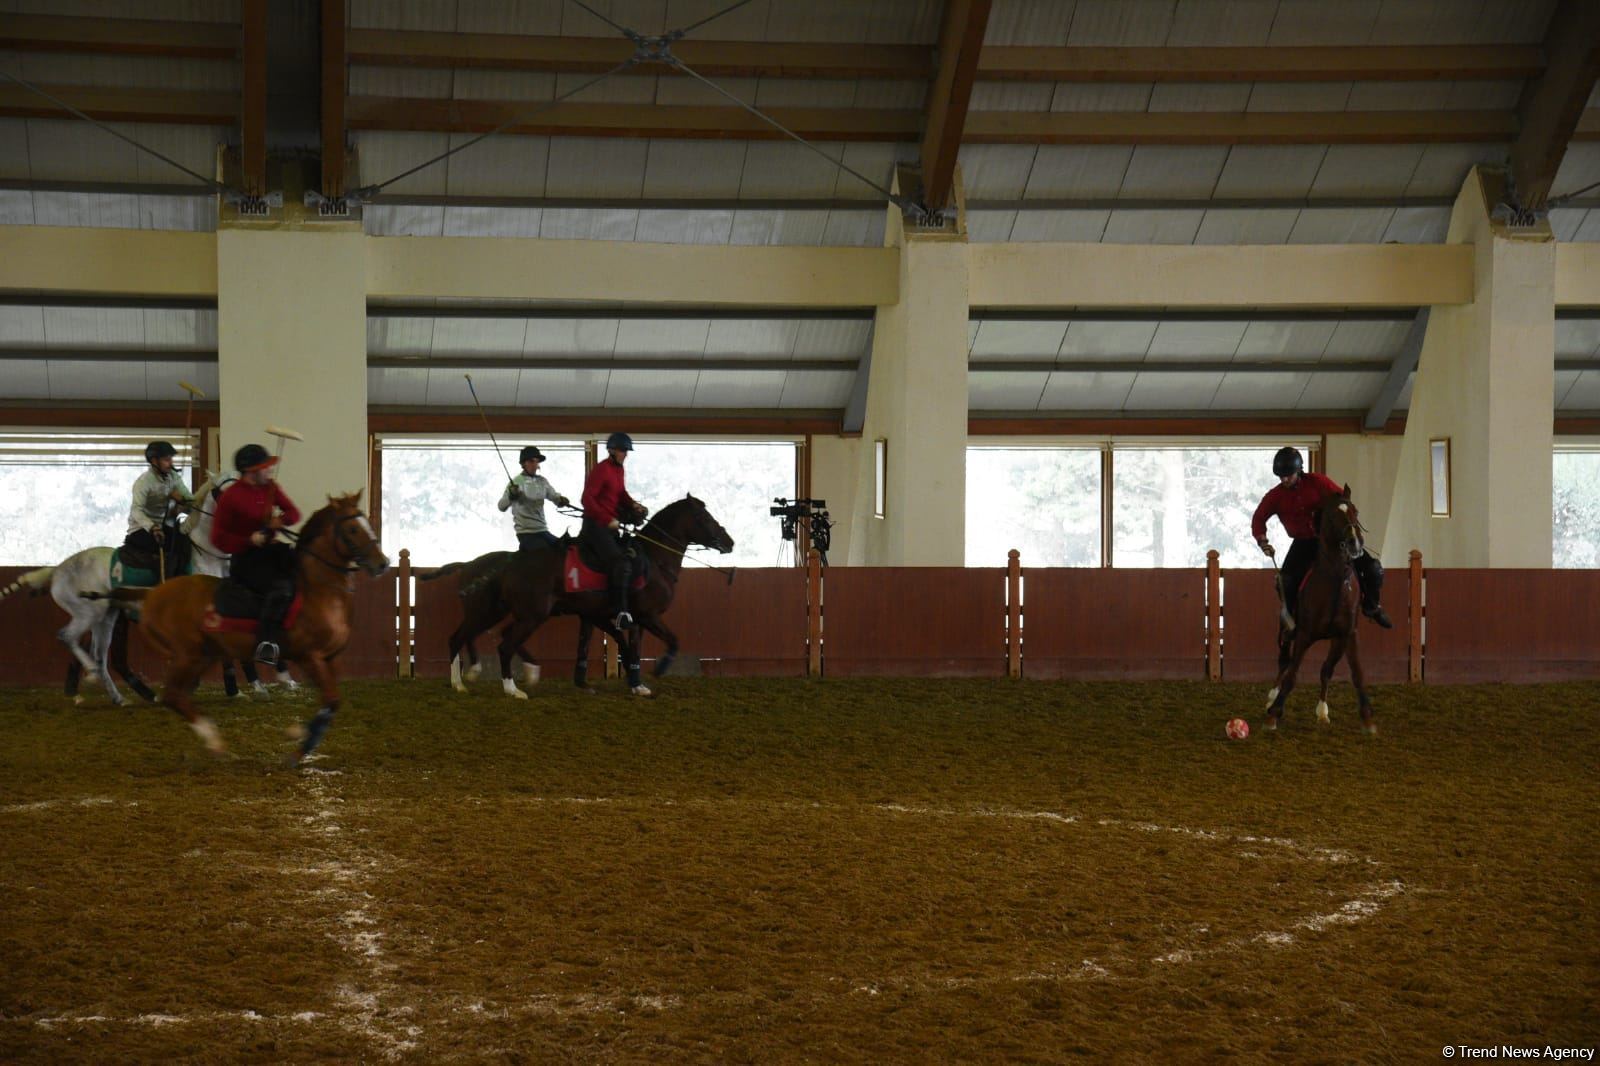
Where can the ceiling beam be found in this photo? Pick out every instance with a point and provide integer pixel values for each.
(124, 37)
(253, 103)
(1246, 64)
(1400, 371)
(631, 314)
(334, 79)
(949, 94)
(1551, 106)
(601, 361)
(855, 408)
(124, 105)
(522, 421)
(729, 59)
(1175, 366)
(415, 114)
(801, 59)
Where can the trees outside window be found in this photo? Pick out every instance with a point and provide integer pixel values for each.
(1576, 509)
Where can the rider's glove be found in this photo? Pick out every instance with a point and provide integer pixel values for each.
(513, 491)
(1266, 548)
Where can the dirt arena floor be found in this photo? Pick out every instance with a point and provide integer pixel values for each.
(787, 871)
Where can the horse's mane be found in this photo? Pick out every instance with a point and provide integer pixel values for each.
(315, 526)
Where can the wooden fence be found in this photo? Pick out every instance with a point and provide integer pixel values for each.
(1450, 625)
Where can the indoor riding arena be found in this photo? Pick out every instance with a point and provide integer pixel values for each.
(910, 531)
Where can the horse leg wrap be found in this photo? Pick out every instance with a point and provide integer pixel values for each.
(634, 680)
(315, 729)
(580, 673)
(664, 662)
(136, 683)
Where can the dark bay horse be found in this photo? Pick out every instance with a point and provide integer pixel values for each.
(334, 542)
(532, 588)
(1329, 607)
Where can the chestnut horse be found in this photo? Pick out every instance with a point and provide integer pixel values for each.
(1329, 607)
(532, 587)
(335, 541)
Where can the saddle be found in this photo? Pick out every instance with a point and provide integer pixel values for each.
(236, 609)
(581, 571)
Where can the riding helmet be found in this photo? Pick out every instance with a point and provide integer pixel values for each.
(619, 442)
(252, 457)
(530, 452)
(1287, 462)
(158, 449)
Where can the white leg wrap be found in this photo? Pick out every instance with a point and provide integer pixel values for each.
(473, 671)
(455, 676)
(1322, 711)
(641, 690)
(206, 730)
(1272, 697)
(511, 689)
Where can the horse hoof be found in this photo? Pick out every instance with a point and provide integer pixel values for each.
(585, 690)
(77, 701)
(513, 691)
(1322, 713)
(458, 686)
(260, 694)
(1370, 729)
(642, 692)
(206, 730)
(473, 672)
(1271, 726)
(295, 732)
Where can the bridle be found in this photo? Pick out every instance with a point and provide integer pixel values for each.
(351, 553)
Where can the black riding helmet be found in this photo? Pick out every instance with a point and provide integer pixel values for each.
(530, 452)
(158, 449)
(252, 457)
(1287, 462)
(619, 441)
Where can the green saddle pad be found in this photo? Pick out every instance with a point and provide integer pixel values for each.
(130, 576)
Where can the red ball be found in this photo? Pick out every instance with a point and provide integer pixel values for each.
(1237, 729)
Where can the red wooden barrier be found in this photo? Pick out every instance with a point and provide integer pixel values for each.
(1512, 625)
(30, 654)
(436, 612)
(373, 646)
(1139, 624)
(926, 621)
(755, 627)
(1250, 632)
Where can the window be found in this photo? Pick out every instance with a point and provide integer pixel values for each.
(70, 490)
(880, 477)
(738, 480)
(439, 495)
(1043, 501)
(1576, 507)
(1439, 476)
(1172, 505)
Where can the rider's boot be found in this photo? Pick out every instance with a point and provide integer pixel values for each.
(1376, 612)
(621, 578)
(269, 633)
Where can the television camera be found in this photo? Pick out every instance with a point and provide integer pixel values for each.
(820, 526)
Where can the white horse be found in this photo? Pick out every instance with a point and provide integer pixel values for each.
(81, 585)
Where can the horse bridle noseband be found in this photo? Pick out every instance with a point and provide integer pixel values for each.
(352, 562)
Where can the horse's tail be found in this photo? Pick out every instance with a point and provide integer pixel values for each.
(444, 571)
(35, 581)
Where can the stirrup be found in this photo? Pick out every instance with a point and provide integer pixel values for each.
(267, 652)
(623, 620)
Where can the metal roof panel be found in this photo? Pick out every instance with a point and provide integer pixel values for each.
(1005, 391)
(1080, 391)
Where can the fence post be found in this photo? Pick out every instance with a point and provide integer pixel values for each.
(813, 613)
(1013, 613)
(403, 663)
(1414, 638)
(1213, 616)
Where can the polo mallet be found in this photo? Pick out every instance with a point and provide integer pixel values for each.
(283, 435)
(486, 429)
(188, 413)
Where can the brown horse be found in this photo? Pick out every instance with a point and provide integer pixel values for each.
(335, 541)
(532, 588)
(1329, 607)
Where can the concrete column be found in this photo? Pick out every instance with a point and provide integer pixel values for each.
(292, 351)
(917, 404)
(1486, 381)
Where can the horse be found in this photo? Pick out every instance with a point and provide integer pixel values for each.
(1328, 609)
(532, 587)
(334, 541)
(81, 585)
(464, 665)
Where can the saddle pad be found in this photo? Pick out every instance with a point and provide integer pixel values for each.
(579, 576)
(126, 575)
(235, 609)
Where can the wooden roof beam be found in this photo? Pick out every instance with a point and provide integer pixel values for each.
(334, 82)
(1551, 108)
(125, 37)
(949, 94)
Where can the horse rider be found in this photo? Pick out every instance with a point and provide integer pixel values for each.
(606, 505)
(158, 496)
(1294, 500)
(524, 497)
(248, 516)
